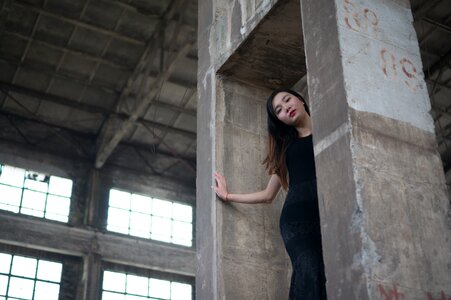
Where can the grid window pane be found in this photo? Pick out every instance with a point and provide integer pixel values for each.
(182, 230)
(30, 193)
(119, 199)
(3, 284)
(161, 226)
(49, 271)
(118, 220)
(180, 291)
(58, 205)
(113, 281)
(24, 266)
(137, 285)
(22, 280)
(148, 217)
(46, 291)
(33, 200)
(140, 221)
(5, 262)
(21, 288)
(182, 242)
(141, 204)
(159, 288)
(36, 182)
(12, 176)
(161, 208)
(112, 296)
(134, 287)
(60, 186)
(10, 196)
(182, 212)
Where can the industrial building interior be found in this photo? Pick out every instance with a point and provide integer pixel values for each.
(98, 143)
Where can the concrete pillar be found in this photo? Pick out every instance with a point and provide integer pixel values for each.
(240, 254)
(383, 199)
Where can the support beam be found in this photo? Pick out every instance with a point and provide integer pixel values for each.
(383, 200)
(437, 24)
(79, 23)
(60, 238)
(430, 72)
(109, 140)
(421, 11)
(89, 137)
(100, 110)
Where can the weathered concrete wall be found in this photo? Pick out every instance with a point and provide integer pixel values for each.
(240, 254)
(383, 199)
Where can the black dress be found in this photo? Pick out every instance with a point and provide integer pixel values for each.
(299, 223)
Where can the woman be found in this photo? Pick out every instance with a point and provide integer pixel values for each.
(291, 153)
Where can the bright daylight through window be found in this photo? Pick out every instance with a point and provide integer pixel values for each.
(121, 286)
(148, 217)
(29, 278)
(36, 194)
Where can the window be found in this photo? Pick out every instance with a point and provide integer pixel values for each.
(36, 194)
(29, 278)
(150, 218)
(123, 286)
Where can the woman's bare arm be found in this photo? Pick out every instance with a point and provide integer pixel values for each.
(265, 196)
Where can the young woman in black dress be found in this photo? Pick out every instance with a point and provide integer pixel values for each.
(290, 162)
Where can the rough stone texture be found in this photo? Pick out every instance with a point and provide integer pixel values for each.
(272, 55)
(239, 251)
(383, 199)
(251, 250)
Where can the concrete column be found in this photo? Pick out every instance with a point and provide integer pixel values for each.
(383, 199)
(240, 254)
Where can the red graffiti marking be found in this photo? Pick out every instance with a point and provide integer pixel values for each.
(403, 63)
(391, 65)
(350, 8)
(371, 16)
(443, 296)
(392, 294)
(354, 20)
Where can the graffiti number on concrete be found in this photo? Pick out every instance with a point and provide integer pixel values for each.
(390, 294)
(359, 19)
(393, 293)
(443, 296)
(390, 66)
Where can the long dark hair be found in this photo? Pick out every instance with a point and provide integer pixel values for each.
(280, 136)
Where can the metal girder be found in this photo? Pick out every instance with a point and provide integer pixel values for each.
(88, 136)
(421, 11)
(429, 72)
(99, 110)
(437, 24)
(4, 11)
(113, 131)
(109, 141)
(113, 64)
(79, 23)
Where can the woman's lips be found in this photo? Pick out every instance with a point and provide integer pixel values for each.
(292, 113)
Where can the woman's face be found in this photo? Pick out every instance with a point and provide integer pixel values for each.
(288, 108)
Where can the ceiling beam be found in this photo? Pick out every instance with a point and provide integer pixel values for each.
(111, 63)
(421, 11)
(91, 137)
(99, 110)
(79, 23)
(437, 24)
(113, 131)
(4, 11)
(430, 72)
